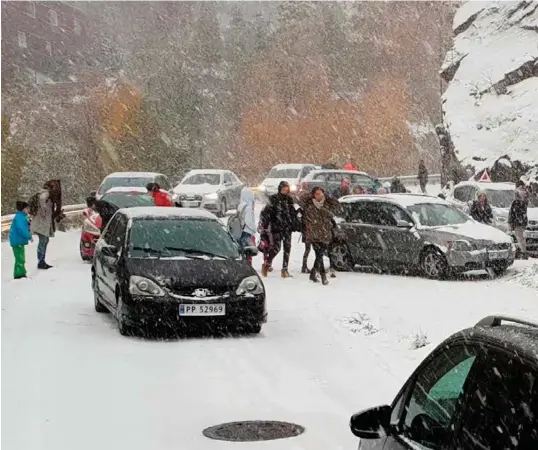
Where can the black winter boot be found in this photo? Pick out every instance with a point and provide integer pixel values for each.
(313, 276)
(324, 279)
(305, 269)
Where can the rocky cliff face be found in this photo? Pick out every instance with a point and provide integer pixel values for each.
(490, 106)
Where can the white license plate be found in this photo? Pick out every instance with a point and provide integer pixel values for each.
(502, 254)
(531, 234)
(188, 204)
(215, 309)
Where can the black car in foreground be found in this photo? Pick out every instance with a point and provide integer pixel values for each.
(477, 390)
(177, 268)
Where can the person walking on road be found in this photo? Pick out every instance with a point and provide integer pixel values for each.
(319, 210)
(45, 207)
(276, 225)
(517, 217)
(422, 176)
(19, 236)
(242, 226)
(160, 197)
(481, 210)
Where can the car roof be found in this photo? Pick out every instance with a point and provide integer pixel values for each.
(404, 200)
(351, 172)
(505, 186)
(208, 171)
(134, 175)
(291, 166)
(164, 212)
(126, 189)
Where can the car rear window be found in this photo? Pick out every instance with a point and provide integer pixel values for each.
(283, 173)
(174, 237)
(203, 178)
(113, 182)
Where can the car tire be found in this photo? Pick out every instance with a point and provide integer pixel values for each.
(254, 328)
(499, 271)
(124, 329)
(433, 264)
(222, 209)
(82, 255)
(340, 257)
(99, 307)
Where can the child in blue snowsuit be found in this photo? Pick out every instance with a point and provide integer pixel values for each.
(19, 236)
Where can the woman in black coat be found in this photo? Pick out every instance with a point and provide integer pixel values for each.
(480, 209)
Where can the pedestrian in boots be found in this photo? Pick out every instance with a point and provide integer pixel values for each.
(19, 236)
(517, 217)
(319, 211)
(422, 176)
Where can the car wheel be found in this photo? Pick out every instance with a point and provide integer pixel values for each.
(223, 208)
(253, 328)
(340, 258)
(124, 329)
(499, 271)
(99, 307)
(433, 264)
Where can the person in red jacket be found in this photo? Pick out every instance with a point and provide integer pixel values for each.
(160, 197)
(351, 165)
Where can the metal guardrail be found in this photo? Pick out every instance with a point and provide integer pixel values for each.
(75, 210)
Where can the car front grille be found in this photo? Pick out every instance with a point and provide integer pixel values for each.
(191, 197)
(199, 292)
(504, 246)
(532, 225)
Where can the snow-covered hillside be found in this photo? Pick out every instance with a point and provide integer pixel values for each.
(490, 104)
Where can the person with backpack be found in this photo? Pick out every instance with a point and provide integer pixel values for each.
(45, 208)
(242, 225)
(19, 236)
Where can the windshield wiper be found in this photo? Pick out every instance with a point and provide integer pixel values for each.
(193, 252)
(147, 250)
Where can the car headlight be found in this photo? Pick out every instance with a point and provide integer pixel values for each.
(461, 245)
(250, 285)
(293, 188)
(212, 196)
(144, 286)
(89, 227)
(262, 188)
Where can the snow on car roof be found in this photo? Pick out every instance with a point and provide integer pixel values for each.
(404, 200)
(133, 175)
(291, 166)
(127, 189)
(488, 186)
(167, 212)
(351, 172)
(196, 171)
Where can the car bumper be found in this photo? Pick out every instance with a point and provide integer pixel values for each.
(211, 205)
(240, 311)
(463, 261)
(87, 243)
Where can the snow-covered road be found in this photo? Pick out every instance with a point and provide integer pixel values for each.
(70, 381)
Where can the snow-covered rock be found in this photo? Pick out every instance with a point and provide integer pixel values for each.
(490, 104)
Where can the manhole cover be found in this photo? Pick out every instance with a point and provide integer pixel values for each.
(255, 430)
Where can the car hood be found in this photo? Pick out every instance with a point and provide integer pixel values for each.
(195, 273)
(532, 214)
(470, 230)
(272, 183)
(196, 189)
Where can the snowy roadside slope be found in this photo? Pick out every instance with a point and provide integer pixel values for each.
(490, 103)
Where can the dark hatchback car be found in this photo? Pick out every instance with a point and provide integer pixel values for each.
(175, 268)
(477, 390)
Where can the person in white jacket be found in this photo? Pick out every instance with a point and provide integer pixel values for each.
(246, 209)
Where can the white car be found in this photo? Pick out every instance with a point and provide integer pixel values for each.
(292, 173)
(212, 189)
(132, 180)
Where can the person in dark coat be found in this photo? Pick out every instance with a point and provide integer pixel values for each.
(277, 224)
(397, 187)
(422, 176)
(319, 211)
(517, 217)
(481, 210)
(343, 189)
(105, 209)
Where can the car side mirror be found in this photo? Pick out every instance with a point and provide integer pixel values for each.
(373, 423)
(404, 224)
(109, 250)
(250, 251)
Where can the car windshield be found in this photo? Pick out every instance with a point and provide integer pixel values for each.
(436, 215)
(171, 237)
(203, 178)
(113, 182)
(128, 199)
(500, 199)
(283, 173)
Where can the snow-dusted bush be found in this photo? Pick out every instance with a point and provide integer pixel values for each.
(419, 339)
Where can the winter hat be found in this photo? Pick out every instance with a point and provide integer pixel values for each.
(21, 205)
(282, 185)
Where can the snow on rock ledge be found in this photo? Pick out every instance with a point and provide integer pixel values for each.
(490, 106)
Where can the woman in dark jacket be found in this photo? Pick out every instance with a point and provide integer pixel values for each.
(318, 211)
(480, 209)
(518, 218)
